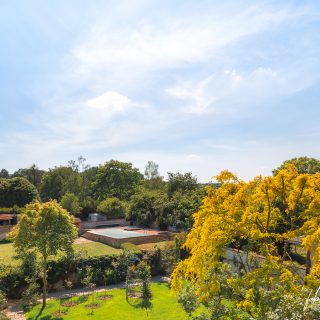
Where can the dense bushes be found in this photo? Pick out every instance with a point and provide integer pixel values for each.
(17, 192)
(113, 208)
(13, 279)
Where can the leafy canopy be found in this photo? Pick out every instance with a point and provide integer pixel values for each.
(258, 216)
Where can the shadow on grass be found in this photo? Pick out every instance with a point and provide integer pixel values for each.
(141, 304)
(48, 317)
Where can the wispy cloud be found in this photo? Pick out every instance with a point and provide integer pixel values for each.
(181, 83)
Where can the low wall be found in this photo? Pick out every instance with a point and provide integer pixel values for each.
(239, 259)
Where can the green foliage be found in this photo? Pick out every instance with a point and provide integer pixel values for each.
(14, 209)
(70, 202)
(130, 246)
(4, 174)
(59, 181)
(188, 299)
(17, 192)
(33, 174)
(113, 208)
(145, 206)
(181, 182)
(303, 165)
(44, 230)
(3, 300)
(116, 179)
(31, 294)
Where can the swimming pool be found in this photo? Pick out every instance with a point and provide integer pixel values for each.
(118, 233)
(115, 237)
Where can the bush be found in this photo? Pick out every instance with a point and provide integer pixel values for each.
(130, 246)
(31, 294)
(70, 202)
(113, 208)
(17, 192)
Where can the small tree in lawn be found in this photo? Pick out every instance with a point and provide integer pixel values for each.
(68, 285)
(143, 271)
(88, 283)
(44, 229)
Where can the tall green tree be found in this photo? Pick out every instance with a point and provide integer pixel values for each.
(17, 192)
(58, 181)
(4, 174)
(44, 230)
(33, 174)
(303, 165)
(116, 179)
(144, 207)
(153, 180)
(181, 182)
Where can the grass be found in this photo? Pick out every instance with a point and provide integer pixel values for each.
(92, 249)
(163, 305)
(152, 246)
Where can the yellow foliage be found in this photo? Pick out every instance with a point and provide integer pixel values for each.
(263, 212)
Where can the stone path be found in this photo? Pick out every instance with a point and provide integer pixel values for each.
(15, 310)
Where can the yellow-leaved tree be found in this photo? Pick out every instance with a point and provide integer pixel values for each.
(258, 219)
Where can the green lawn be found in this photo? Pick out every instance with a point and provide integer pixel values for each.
(92, 249)
(163, 305)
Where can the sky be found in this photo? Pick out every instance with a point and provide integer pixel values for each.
(197, 86)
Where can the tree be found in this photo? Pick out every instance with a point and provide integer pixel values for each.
(116, 179)
(45, 230)
(153, 181)
(143, 271)
(258, 217)
(58, 181)
(181, 182)
(151, 170)
(33, 174)
(4, 174)
(303, 165)
(17, 192)
(145, 206)
(70, 202)
(112, 208)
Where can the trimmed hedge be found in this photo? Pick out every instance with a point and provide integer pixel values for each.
(12, 279)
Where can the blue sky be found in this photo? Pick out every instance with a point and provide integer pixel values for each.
(196, 86)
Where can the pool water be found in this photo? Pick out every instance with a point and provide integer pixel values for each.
(118, 233)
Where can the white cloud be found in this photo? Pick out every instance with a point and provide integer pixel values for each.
(173, 42)
(238, 90)
(111, 101)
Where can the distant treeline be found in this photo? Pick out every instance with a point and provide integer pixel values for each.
(116, 189)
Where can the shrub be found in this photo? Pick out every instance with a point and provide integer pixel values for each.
(112, 208)
(130, 246)
(17, 192)
(70, 202)
(31, 294)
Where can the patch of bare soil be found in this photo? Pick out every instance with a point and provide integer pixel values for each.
(60, 313)
(93, 305)
(105, 297)
(69, 304)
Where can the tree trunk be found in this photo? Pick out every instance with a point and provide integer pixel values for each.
(44, 280)
(308, 262)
